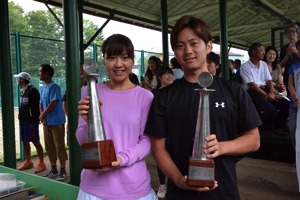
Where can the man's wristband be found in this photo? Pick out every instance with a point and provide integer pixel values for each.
(273, 90)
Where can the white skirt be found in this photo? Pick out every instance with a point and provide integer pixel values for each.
(82, 195)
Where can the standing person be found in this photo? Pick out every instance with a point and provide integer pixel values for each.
(237, 66)
(289, 53)
(53, 119)
(125, 110)
(29, 121)
(174, 110)
(150, 79)
(177, 69)
(165, 77)
(271, 58)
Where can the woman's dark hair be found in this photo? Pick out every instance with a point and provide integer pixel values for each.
(200, 28)
(275, 62)
(162, 70)
(47, 68)
(116, 44)
(158, 64)
(175, 64)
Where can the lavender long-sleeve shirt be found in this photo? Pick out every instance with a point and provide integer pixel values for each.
(124, 116)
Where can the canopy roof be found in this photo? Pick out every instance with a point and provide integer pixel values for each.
(248, 21)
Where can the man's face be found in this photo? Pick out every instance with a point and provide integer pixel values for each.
(211, 67)
(259, 55)
(291, 33)
(42, 74)
(20, 81)
(191, 51)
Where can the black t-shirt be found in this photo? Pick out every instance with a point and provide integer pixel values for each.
(293, 59)
(65, 97)
(174, 111)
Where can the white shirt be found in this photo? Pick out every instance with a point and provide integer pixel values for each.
(258, 75)
(178, 73)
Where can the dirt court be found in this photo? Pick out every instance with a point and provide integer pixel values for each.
(257, 179)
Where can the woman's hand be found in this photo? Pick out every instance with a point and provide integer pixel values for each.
(83, 107)
(108, 168)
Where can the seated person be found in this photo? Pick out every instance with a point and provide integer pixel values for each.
(258, 82)
(213, 61)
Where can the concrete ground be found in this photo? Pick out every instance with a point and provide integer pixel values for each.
(257, 179)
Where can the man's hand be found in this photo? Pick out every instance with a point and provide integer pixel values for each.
(212, 147)
(113, 165)
(83, 107)
(182, 183)
(44, 122)
(42, 117)
(271, 96)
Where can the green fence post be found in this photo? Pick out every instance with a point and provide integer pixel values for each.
(19, 69)
(142, 63)
(8, 124)
(224, 38)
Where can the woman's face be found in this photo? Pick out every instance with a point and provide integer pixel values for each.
(151, 65)
(118, 67)
(271, 56)
(166, 79)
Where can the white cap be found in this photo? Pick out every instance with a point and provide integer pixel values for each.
(23, 75)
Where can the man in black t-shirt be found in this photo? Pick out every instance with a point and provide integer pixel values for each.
(289, 53)
(174, 111)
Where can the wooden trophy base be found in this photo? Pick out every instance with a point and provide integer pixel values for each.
(201, 173)
(98, 155)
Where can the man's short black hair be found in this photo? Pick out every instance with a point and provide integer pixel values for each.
(254, 47)
(213, 58)
(47, 68)
(238, 61)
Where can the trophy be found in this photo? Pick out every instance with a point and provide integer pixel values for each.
(201, 170)
(97, 152)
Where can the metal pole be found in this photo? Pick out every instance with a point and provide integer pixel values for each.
(71, 37)
(80, 21)
(224, 38)
(164, 31)
(8, 125)
(19, 69)
(273, 37)
(142, 63)
(281, 39)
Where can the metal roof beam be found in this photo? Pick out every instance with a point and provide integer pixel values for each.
(127, 8)
(170, 12)
(248, 33)
(269, 10)
(202, 9)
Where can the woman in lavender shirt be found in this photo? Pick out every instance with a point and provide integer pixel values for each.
(124, 111)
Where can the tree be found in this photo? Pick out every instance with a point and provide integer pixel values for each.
(17, 21)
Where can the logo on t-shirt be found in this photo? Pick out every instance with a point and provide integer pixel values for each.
(220, 104)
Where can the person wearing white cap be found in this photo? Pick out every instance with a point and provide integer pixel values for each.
(29, 121)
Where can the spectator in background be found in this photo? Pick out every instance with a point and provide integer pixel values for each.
(29, 121)
(231, 65)
(134, 79)
(53, 119)
(237, 66)
(213, 61)
(150, 79)
(165, 77)
(289, 53)
(258, 82)
(177, 69)
(271, 58)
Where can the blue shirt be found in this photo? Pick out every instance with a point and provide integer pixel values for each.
(292, 71)
(49, 93)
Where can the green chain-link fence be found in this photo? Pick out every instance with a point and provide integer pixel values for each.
(29, 52)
